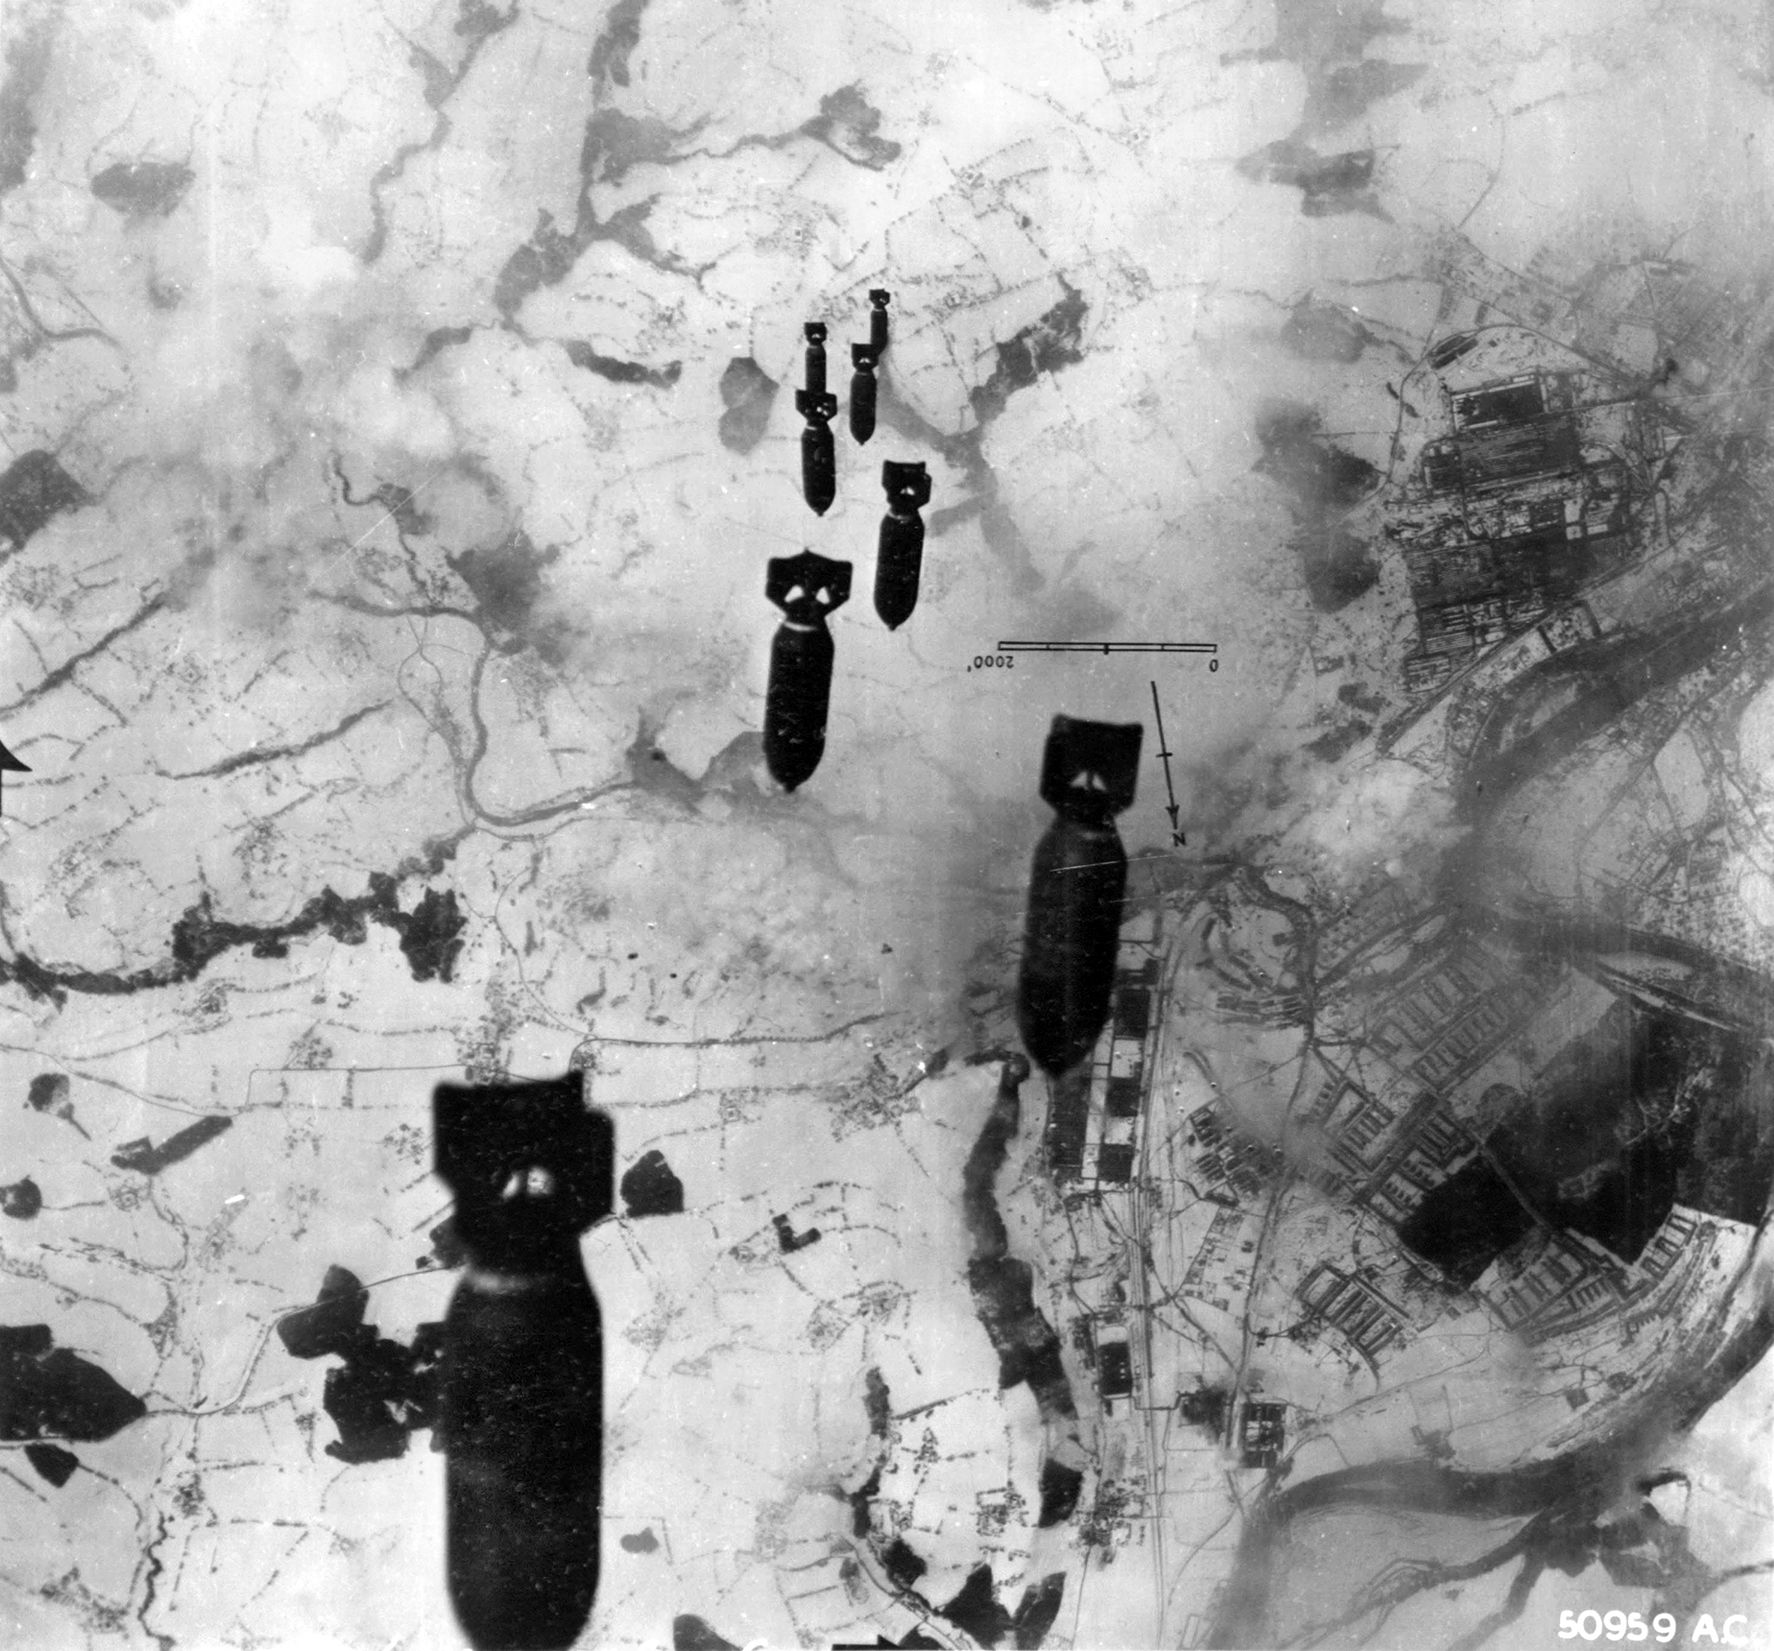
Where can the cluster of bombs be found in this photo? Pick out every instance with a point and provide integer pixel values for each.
(809, 587)
(1089, 769)
(532, 1167)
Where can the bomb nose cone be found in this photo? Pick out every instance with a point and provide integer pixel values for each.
(897, 576)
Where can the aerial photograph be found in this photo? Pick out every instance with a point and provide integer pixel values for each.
(886, 825)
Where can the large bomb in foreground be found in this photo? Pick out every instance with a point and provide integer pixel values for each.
(1079, 877)
(521, 1378)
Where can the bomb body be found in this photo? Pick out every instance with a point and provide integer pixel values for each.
(807, 588)
(797, 701)
(899, 555)
(819, 458)
(1077, 883)
(814, 334)
(1076, 887)
(862, 392)
(520, 1395)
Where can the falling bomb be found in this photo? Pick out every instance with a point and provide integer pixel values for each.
(899, 557)
(807, 588)
(521, 1375)
(879, 298)
(862, 392)
(1088, 776)
(819, 462)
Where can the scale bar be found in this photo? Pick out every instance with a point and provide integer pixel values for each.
(1110, 647)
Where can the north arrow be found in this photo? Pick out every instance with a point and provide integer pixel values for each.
(1177, 839)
